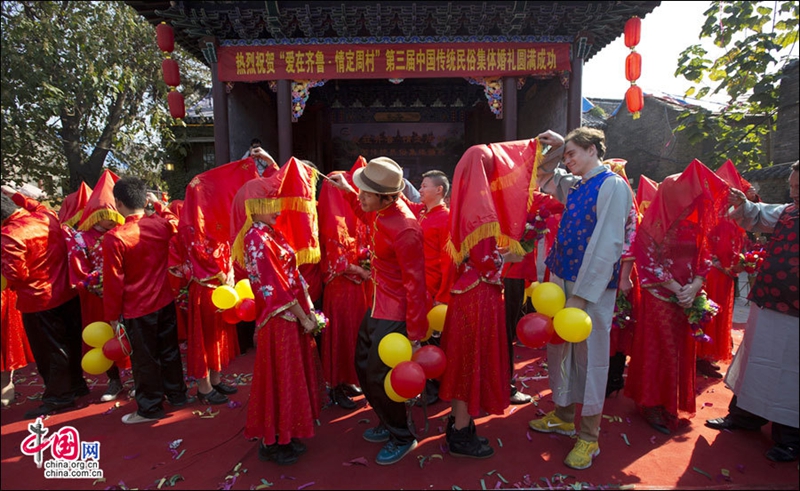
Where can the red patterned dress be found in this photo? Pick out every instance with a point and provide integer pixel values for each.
(285, 398)
(662, 367)
(344, 303)
(474, 336)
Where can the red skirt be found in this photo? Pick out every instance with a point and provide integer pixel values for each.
(285, 397)
(662, 367)
(719, 287)
(344, 303)
(15, 352)
(212, 342)
(475, 342)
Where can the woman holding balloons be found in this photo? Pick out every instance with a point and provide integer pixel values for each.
(286, 392)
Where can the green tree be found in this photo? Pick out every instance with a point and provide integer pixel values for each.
(756, 37)
(82, 88)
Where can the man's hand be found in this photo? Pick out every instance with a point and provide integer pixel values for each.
(8, 190)
(736, 198)
(340, 182)
(576, 302)
(551, 138)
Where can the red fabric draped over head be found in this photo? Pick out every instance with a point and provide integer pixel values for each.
(72, 206)
(645, 193)
(729, 174)
(729, 238)
(290, 191)
(490, 183)
(207, 205)
(697, 195)
(101, 204)
(336, 218)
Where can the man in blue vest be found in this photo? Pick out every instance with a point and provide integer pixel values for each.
(585, 262)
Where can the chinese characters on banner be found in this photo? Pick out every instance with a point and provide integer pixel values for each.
(256, 63)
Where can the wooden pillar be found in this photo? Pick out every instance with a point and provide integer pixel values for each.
(284, 121)
(574, 96)
(222, 144)
(509, 108)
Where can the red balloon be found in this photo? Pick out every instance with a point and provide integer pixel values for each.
(113, 350)
(246, 309)
(230, 316)
(432, 360)
(408, 379)
(535, 330)
(556, 339)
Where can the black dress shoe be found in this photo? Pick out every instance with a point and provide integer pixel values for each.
(82, 391)
(352, 390)
(180, 402)
(280, 454)
(341, 399)
(708, 369)
(783, 453)
(212, 397)
(225, 389)
(47, 409)
(298, 446)
(727, 423)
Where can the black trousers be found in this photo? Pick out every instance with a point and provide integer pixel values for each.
(781, 434)
(55, 339)
(372, 371)
(514, 291)
(156, 361)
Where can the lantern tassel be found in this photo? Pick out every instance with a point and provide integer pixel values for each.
(636, 115)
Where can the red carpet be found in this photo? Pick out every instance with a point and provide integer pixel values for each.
(213, 454)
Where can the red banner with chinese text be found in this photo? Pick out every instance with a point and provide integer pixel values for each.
(336, 61)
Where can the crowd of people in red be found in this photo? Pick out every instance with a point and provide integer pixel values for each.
(653, 269)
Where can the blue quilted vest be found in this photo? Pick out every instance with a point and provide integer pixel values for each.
(576, 228)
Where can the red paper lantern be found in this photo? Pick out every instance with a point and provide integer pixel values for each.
(535, 330)
(408, 379)
(633, 66)
(634, 98)
(177, 108)
(171, 72)
(165, 37)
(432, 360)
(633, 31)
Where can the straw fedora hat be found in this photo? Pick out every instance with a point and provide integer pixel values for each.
(381, 175)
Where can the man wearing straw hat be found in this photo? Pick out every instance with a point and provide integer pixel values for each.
(400, 302)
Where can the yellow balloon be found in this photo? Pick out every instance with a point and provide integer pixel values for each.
(95, 362)
(244, 289)
(97, 333)
(529, 291)
(548, 298)
(387, 386)
(573, 325)
(428, 334)
(3, 282)
(436, 317)
(394, 348)
(224, 297)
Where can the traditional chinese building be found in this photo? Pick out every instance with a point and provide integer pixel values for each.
(418, 81)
